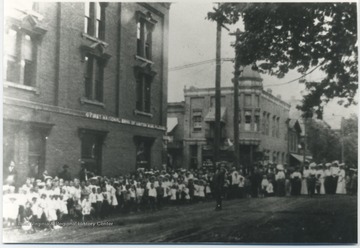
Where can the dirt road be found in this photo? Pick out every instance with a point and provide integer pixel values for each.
(323, 219)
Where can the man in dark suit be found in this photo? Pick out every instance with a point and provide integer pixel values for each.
(218, 182)
(65, 174)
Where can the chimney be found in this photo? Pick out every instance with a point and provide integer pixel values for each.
(278, 96)
(269, 91)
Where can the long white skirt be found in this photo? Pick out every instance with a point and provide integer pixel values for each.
(304, 189)
(341, 187)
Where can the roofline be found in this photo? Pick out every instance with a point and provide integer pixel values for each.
(230, 90)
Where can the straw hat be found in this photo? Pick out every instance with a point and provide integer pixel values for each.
(279, 167)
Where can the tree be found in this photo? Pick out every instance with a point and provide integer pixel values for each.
(323, 142)
(350, 139)
(284, 36)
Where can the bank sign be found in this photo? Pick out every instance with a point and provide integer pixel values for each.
(123, 121)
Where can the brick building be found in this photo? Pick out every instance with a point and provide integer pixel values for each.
(264, 124)
(85, 81)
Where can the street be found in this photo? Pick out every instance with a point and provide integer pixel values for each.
(320, 219)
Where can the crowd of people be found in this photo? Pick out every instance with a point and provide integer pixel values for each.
(49, 200)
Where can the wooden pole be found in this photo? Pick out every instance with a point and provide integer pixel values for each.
(217, 93)
(236, 103)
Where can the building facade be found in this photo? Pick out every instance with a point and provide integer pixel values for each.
(263, 125)
(85, 81)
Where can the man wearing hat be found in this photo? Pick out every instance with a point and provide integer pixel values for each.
(218, 182)
(65, 174)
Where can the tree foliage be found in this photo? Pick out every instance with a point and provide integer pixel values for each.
(323, 143)
(350, 139)
(326, 144)
(284, 36)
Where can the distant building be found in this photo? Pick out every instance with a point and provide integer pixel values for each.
(263, 124)
(85, 81)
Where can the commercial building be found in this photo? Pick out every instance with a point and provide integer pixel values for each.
(263, 125)
(85, 81)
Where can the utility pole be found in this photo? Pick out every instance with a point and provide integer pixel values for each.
(236, 102)
(217, 93)
(342, 140)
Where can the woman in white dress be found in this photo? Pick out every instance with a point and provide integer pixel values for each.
(320, 172)
(305, 176)
(341, 183)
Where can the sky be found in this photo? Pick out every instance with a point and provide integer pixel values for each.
(192, 39)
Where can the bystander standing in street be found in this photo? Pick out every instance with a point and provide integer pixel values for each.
(219, 180)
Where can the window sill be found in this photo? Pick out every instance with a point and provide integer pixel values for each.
(92, 38)
(138, 112)
(84, 100)
(143, 59)
(22, 87)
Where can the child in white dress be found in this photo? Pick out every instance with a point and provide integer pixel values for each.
(86, 208)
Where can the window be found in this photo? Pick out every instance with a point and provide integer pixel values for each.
(143, 92)
(94, 76)
(273, 127)
(91, 150)
(197, 120)
(247, 121)
(268, 124)
(257, 123)
(144, 29)
(264, 123)
(222, 101)
(36, 157)
(278, 127)
(257, 101)
(95, 19)
(247, 100)
(143, 153)
(20, 57)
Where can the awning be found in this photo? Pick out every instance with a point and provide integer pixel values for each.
(211, 115)
(171, 123)
(300, 158)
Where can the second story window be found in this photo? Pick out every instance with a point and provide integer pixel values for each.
(247, 121)
(248, 100)
(143, 93)
(94, 76)
(273, 127)
(264, 123)
(95, 19)
(20, 57)
(197, 120)
(257, 123)
(144, 29)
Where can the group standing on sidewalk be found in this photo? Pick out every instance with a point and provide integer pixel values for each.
(46, 201)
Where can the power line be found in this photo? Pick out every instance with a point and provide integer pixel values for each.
(296, 79)
(176, 68)
(186, 66)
